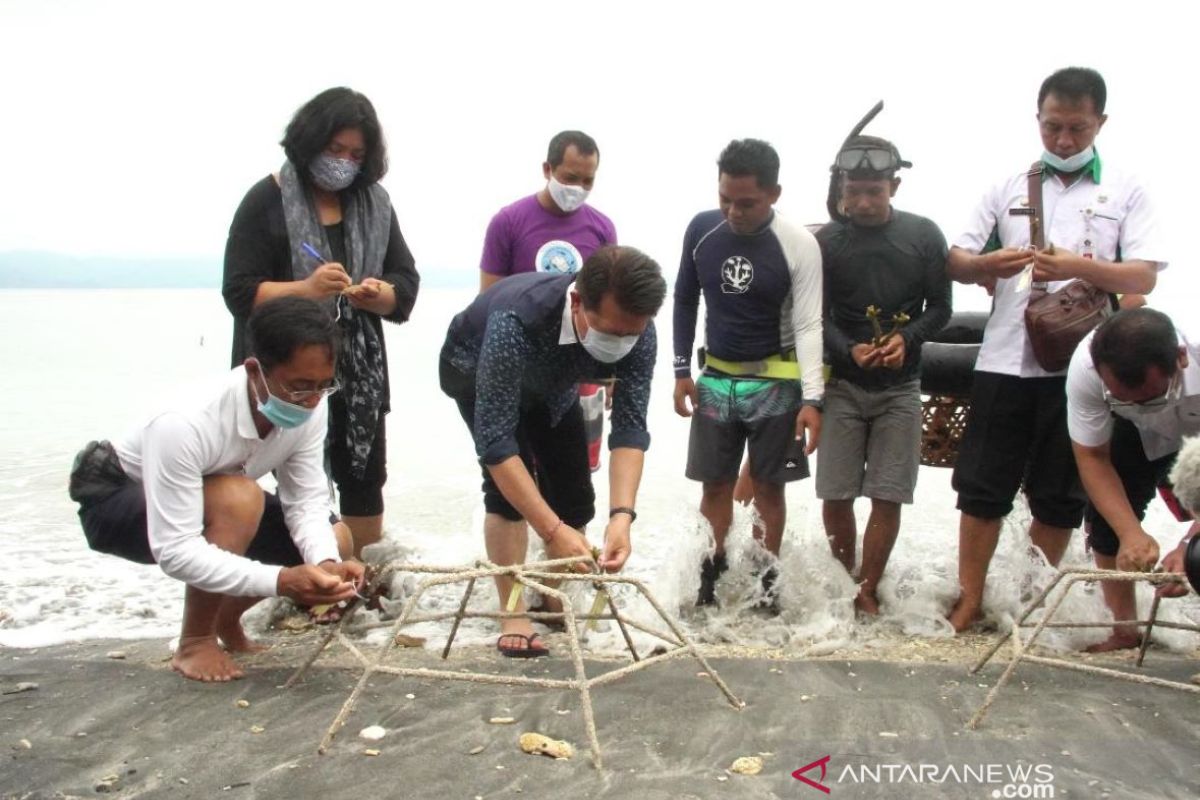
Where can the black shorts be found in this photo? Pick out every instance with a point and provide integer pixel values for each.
(736, 414)
(358, 497)
(556, 455)
(1139, 476)
(117, 525)
(1016, 438)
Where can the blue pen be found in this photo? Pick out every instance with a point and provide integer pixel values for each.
(312, 251)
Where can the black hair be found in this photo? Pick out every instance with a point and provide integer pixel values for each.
(318, 120)
(633, 278)
(750, 157)
(557, 150)
(279, 327)
(1074, 84)
(1130, 342)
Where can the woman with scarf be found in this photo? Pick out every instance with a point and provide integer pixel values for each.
(322, 227)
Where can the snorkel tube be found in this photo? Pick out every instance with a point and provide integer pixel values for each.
(833, 199)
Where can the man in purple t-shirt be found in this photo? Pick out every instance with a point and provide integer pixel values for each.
(553, 230)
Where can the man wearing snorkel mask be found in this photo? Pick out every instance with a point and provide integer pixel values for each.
(513, 361)
(874, 256)
(1099, 227)
(1133, 393)
(761, 383)
(181, 490)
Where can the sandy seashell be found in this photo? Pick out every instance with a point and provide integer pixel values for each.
(537, 744)
(242, 704)
(747, 765)
(373, 734)
(404, 640)
(23, 686)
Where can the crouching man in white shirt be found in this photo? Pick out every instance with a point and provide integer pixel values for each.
(1133, 394)
(181, 491)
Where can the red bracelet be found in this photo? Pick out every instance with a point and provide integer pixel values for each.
(553, 531)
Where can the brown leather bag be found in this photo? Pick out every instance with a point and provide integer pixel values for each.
(1058, 321)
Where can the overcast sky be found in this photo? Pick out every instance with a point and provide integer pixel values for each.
(134, 128)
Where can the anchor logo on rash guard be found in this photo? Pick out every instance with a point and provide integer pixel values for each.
(737, 273)
(558, 257)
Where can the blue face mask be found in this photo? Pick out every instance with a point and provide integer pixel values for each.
(281, 413)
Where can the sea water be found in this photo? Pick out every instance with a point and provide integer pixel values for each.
(90, 364)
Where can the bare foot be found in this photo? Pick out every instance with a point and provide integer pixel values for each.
(202, 659)
(1117, 641)
(867, 603)
(964, 615)
(235, 640)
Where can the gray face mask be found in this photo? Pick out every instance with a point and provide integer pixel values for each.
(333, 174)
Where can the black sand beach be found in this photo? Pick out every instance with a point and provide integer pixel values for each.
(666, 732)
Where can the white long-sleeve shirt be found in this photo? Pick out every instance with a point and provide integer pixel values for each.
(173, 453)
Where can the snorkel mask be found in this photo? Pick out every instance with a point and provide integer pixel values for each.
(861, 156)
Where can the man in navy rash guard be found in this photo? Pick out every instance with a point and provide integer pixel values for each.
(761, 379)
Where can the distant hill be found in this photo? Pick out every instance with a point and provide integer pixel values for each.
(39, 270)
(43, 270)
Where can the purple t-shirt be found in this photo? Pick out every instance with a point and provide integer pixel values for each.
(524, 237)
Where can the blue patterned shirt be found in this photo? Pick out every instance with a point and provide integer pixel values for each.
(511, 350)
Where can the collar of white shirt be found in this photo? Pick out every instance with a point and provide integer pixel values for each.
(245, 417)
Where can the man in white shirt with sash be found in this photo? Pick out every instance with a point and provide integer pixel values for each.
(1102, 230)
(1133, 393)
(181, 491)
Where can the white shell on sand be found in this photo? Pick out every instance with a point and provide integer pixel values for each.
(747, 765)
(373, 733)
(537, 744)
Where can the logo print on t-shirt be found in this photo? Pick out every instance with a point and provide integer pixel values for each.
(736, 275)
(558, 257)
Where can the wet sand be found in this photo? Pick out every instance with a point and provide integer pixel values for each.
(665, 731)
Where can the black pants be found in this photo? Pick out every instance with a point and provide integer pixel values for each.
(558, 457)
(1016, 437)
(1139, 476)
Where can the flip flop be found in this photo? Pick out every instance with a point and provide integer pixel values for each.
(530, 650)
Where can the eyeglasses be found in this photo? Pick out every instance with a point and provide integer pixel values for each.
(1154, 404)
(301, 395)
(869, 159)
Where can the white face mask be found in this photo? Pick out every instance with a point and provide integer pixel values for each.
(1073, 163)
(568, 198)
(607, 348)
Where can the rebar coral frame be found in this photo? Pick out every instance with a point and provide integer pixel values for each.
(533, 576)
(1070, 577)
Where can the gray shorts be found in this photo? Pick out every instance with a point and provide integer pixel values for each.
(736, 413)
(870, 442)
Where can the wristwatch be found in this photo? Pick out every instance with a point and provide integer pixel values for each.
(623, 510)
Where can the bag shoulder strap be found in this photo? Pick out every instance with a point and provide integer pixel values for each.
(1037, 226)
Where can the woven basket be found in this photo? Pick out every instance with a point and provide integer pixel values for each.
(943, 420)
